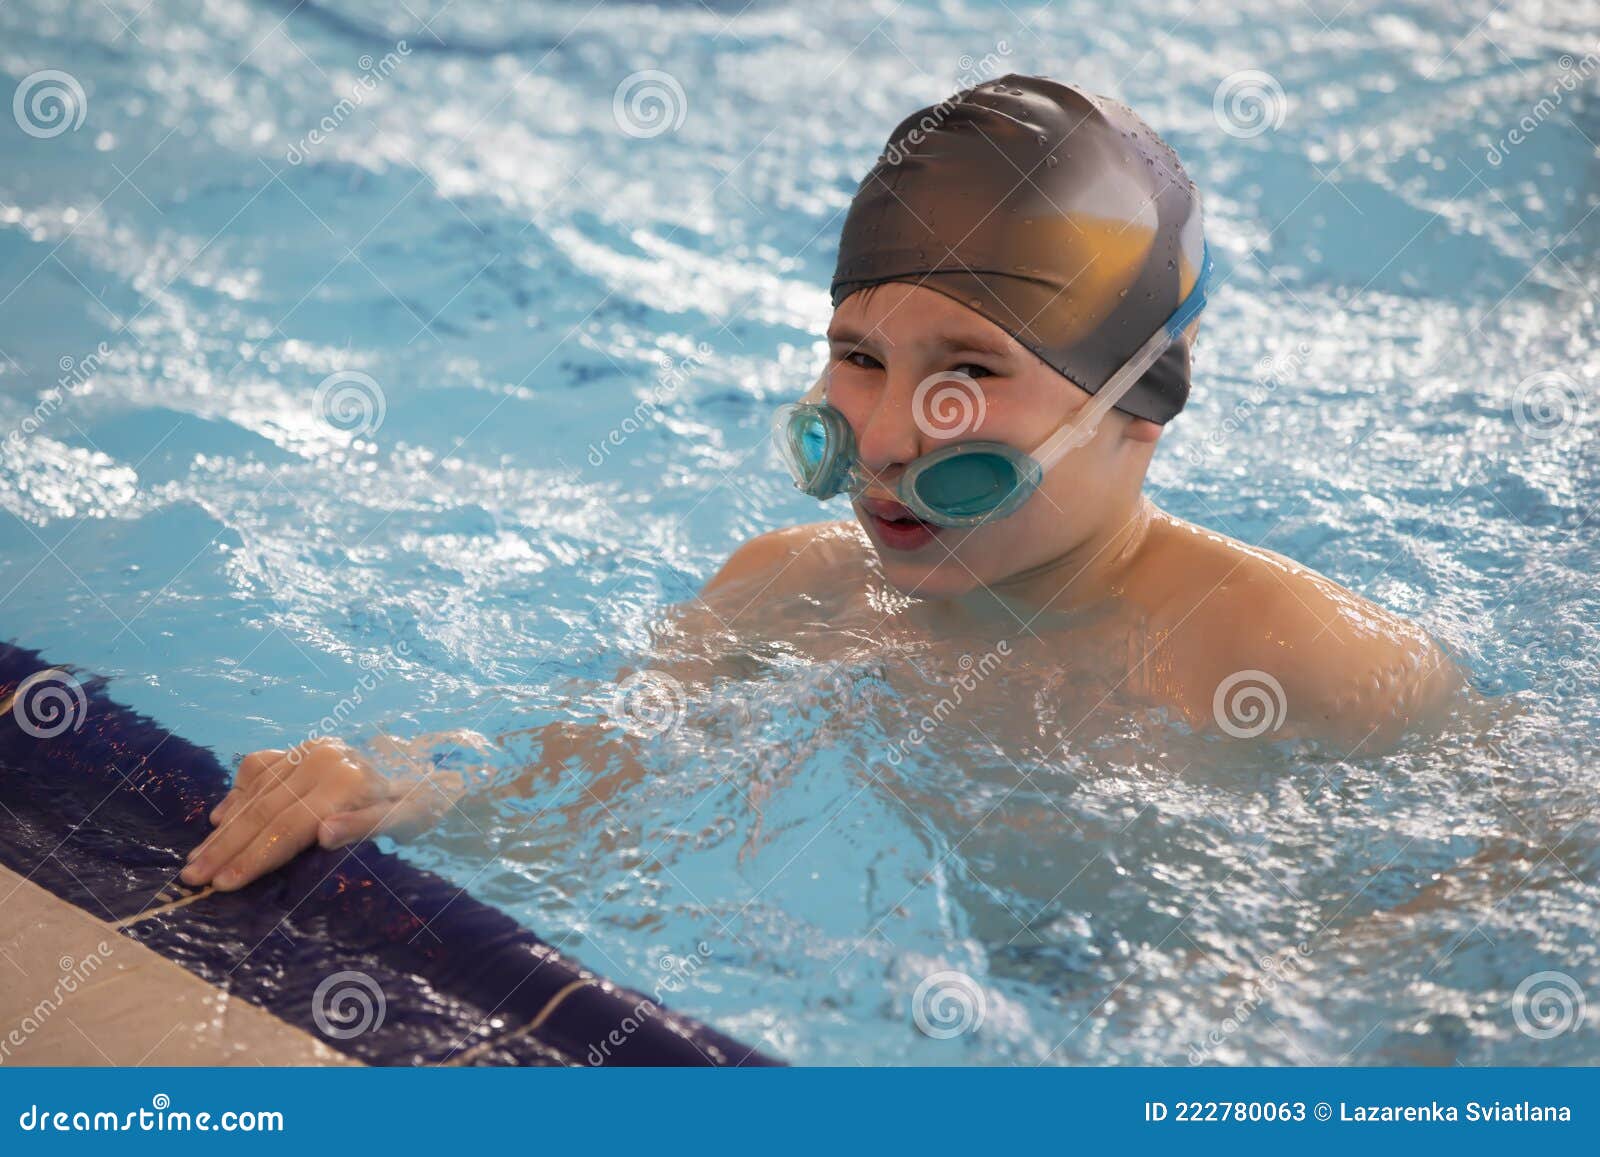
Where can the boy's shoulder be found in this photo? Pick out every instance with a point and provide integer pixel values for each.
(792, 559)
(1253, 638)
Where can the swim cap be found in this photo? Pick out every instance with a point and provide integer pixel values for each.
(1057, 215)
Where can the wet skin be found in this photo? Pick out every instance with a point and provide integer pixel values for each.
(1088, 578)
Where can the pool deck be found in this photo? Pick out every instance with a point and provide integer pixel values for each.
(76, 991)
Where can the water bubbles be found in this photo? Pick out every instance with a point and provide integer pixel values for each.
(552, 595)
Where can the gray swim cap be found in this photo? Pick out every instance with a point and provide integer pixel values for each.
(1057, 215)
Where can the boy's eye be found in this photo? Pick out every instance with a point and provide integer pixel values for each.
(867, 362)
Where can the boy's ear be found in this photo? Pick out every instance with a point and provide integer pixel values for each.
(1142, 430)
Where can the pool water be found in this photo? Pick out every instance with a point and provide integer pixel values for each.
(417, 409)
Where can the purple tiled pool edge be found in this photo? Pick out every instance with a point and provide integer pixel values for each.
(99, 805)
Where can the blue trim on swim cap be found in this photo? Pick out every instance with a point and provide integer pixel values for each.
(1191, 306)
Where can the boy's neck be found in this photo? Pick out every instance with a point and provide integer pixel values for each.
(1089, 574)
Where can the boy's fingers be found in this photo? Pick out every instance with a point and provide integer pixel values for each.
(285, 801)
(257, 772)
(237, 821)
(228, 803)
(345, 828)
(274, 846)
(219, 824)
(252, 765)
(281, 806)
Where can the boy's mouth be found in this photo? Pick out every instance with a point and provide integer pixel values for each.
(893, 525)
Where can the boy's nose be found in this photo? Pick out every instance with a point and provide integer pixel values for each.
(890, 437)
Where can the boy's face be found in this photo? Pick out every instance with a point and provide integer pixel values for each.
(885, 342)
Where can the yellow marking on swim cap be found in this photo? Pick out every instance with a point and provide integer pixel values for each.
(1188, 274)
(1099, 258)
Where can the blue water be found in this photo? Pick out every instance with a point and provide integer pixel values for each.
(1395, 384)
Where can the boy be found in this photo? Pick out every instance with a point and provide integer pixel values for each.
(1016, 292)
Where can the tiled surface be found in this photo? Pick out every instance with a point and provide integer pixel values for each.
(73, 991)
(101, 813)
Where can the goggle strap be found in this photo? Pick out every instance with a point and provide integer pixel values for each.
(1069, 438)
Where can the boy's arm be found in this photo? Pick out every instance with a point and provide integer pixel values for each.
(1327, 663)
(330, 794)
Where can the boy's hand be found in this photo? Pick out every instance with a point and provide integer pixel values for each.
(322, 792)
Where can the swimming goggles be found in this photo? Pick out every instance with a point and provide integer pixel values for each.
(966, 483)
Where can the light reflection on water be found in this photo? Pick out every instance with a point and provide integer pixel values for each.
(513, 271)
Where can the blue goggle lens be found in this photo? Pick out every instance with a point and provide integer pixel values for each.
(813, 448)
(810, 442)
(968, 485)
(960, 487)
